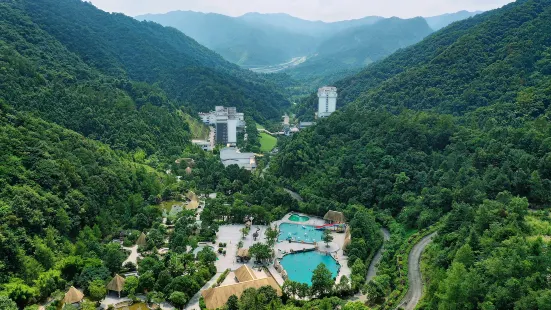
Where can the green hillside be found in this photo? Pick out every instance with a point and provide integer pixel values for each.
(453, 131)
(42, 76)
(120, 46)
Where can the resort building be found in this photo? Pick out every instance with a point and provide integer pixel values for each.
(116, 284)
(327, 101)
(245, 278)
(232, 156)
(226, 122)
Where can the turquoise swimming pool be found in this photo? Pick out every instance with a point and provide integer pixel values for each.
(298, 233)
(298, 218)
(300, 266)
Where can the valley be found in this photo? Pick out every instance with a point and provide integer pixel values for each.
(279, 67)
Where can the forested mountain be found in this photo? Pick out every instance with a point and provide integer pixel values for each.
(122, 47)
(441, 21)
(350, 50)
(42, 76)
(455, 131)
(241, 42)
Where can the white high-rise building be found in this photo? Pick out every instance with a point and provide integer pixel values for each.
(226, 122)
(327, 103)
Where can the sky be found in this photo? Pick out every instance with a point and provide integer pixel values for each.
(326, 10)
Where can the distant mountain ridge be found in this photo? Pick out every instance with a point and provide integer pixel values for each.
(333, 50)
(440, 21)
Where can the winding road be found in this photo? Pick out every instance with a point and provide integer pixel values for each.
(415, 278)
(373, 266)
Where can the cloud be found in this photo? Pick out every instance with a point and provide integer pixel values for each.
(327, 10)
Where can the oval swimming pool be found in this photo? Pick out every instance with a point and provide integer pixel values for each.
(298, 218)
(300, 266)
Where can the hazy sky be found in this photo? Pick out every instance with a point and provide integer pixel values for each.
(327, 10)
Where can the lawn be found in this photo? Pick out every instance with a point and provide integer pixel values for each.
(267, 142)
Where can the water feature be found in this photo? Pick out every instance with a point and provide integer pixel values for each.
(299, 233)
(300, 266)
(298, 218)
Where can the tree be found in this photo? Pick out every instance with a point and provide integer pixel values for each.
(113, 257)
(178, 299)
(356, 305)
(206, 256)
(261, 251)
(48, 282)
(327, 237)
(97, 290)
(7, 304)
(233, 303)
(271, 236)
(87, 305)
(130, 285)
(465, 255)
(322, 281)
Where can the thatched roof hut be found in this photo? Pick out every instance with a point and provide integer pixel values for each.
(217, 297)
(191, 196)
(244, 274)
(334, 217)
(116, 284)
(243, 252)
(188, 170)
(192, 205)
(73, 296)
(141, 240)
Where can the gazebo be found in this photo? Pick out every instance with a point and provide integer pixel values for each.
(141, 240)
(243, 255)
(334, 217)
(73, 296)
(116, 284)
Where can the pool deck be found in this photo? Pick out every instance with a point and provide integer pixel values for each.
(335, 247)
(231, 235)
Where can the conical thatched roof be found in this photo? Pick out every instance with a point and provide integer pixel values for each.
(217, 297)
(188, 170)
(116, 284)
(73, 296)
(141, 240)
(244, 273)
(334, 216)
(191, 195)
(243, 252)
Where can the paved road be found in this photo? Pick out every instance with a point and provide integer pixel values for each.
(415, 278)
(372, 270)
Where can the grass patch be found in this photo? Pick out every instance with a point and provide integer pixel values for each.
(258, 126)
(198, 130)
(167, 205)
(267, 142)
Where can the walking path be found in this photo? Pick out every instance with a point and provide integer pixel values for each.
(193, 303)
(295, 196)
(415, 278)
(133, 257)
(372, 270)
